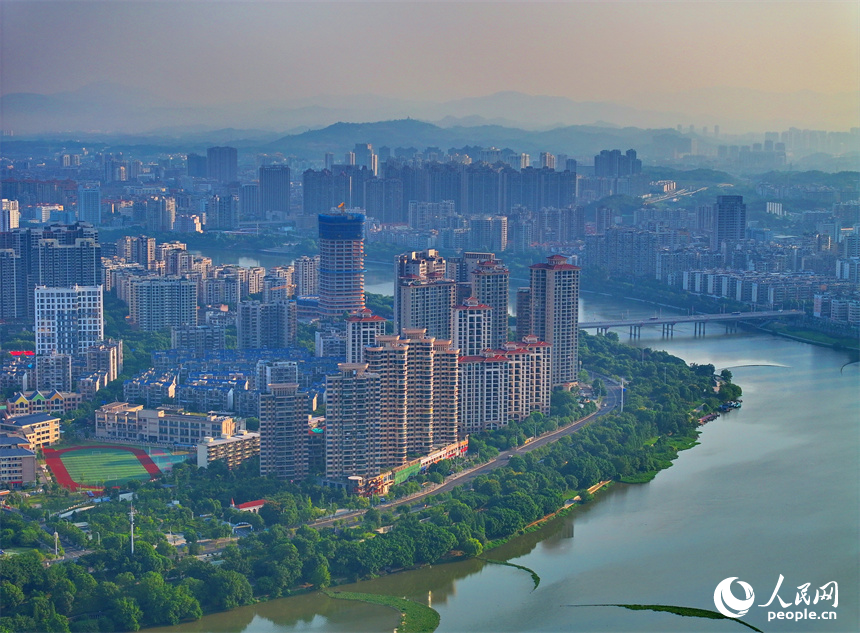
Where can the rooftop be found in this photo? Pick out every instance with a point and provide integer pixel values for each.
(33, 418)
(7, 440)
(16, 452)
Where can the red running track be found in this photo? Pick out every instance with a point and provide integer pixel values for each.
(52, 458)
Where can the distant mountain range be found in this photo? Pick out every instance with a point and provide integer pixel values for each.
(107, 108)
(575, 141)
(341, 137)
(571, 140)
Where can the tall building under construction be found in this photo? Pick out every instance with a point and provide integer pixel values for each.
(341, 273)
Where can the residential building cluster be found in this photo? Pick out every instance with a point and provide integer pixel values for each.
(79, 375)
(716, 251)
(448, 370)
(446, 366)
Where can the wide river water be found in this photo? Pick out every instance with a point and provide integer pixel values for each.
(772, 489)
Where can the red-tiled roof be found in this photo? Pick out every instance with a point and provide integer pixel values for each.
(248, 505)
(555, 262)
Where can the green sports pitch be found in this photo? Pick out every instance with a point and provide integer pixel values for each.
(107, 466)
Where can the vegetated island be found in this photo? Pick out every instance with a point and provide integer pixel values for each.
(110, 589)
(414, 616)
(687, 612)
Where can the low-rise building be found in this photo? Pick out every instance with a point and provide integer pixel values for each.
(210, 392)
(40, 429)
(29, 402)
(17, 461)
(18, 372)
(232, 450)
(249, 506)
(165, 425)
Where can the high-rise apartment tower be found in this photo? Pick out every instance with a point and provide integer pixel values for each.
(275, 188)
(554, 292)
(729, 221)
(68, 320)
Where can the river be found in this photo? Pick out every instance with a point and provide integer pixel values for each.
(772, 489)
(379, 278)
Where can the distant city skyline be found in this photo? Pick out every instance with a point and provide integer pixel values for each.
(694, 57)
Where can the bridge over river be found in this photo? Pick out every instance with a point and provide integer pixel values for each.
(700, 320)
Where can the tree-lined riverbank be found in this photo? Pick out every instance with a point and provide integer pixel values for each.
(280, 561)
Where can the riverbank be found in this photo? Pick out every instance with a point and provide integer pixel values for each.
(803, 335)
(534, 484)
(522, 468)
(417, 618)
(812, 337)
(642, 538)
(680, 443)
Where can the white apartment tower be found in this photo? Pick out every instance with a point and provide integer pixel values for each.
(490, 279)
(500, 385)
(419, 375)
(266, 325)
(529, 363)
(68, 320)
(483, 392)
(307, 275)
(160, 302)
(9, 215)
(472, 327)
(423, 295)
(389, 361)
(90, 203)
(547, 160)
(362, 329)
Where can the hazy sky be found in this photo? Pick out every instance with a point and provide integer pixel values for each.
(205, 52)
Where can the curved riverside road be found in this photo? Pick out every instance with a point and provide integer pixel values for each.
(610, 402)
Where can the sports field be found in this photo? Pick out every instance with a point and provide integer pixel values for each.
(97, 465)
(103, 466)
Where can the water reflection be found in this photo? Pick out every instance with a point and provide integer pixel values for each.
(311, 612)
(438, 580)
(772, 489)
